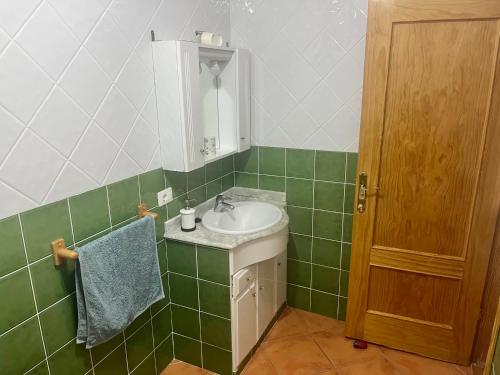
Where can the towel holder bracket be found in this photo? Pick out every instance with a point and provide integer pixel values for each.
(60, 252)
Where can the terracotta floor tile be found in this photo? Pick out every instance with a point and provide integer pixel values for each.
(259, 365)
(296, 356)
(378, 366)
(317, 323)
(182, 368)
(411, 364)
(288, 324)
(340, 351)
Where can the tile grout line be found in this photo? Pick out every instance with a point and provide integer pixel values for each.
(312, 229)
(342, 236)
(34, 296)
(199, 306)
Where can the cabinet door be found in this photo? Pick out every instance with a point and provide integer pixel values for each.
(266, 294)
(280, 262)
(245, 309)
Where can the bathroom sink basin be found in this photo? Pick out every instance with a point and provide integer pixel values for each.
(245, 218)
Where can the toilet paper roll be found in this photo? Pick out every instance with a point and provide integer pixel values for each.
(211, 39)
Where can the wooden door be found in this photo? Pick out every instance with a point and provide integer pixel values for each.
(430, 146)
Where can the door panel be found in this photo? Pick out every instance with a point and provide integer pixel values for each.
(430, 128)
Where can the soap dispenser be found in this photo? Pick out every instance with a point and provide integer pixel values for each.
(188, 223)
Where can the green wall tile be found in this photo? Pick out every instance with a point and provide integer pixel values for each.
(187, 350)
(227, 181)
(137, 323)
(300, 220)
(347, 235)
(217, 360)
(198, 195)
(43, 225)
(247, 161)
(72, 359)
(216, 331)
(330, 166)
(41, 369)
(165, 301)
(162, 325)
(214, 170)
(325, 279)
(329, 196)
(89, 213)
(12, 254)
(324, 304)
(346, 256)
(342, 308)
(183, 290)
(114, 364)
(214, 188)
(102, 350)
(298, 297)
(215, 299)
(213, 264)
(151, 183)
(164, 353)
(139, 346)
(272, 183)
(52, 283)
(176, 205)
(59, 323)
(248, 180)
(300, 163)
(196, 178)
(228, 164)
(272, 161)
(147, 367)
(352, 163)
(17, 299)
(299, 247)
(299, 273)
(177, 181)
(299, 192)
(21, 348)
(181, 258)
(349, 198)
(328, 225)
(162, 256)
(344, 283)
(326, 252)
(123, 199)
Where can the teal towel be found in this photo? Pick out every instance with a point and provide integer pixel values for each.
(117, 279)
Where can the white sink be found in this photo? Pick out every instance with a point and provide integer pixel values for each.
(247, 217)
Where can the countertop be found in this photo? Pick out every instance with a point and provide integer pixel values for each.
(205, 237)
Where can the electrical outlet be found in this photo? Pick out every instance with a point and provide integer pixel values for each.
(165, 196)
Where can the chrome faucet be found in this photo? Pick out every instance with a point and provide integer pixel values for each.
(220, 205)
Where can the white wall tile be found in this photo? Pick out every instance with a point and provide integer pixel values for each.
(136, 81)
(95, 153)
(10, 129)
(13, 201)
(48, 40)
(141, 144)
(86, 82)
(122, 168)
(108, 46)
(13, 13)
(298, 125)
(22, 168)
(24, 86)
(4, 39)
(60, 122)
(70, 182)
(306, 54)
(80, 16)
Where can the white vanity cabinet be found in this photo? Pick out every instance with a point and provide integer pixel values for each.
(203, 101)
(258, 291)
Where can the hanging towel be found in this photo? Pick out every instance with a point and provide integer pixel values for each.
(117, 279)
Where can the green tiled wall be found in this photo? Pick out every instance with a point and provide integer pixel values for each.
(200, 305)
(38, 312)
(320, 194)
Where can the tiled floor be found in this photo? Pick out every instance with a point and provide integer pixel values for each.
(303, 343)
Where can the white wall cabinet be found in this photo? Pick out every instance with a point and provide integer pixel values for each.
(203, 100)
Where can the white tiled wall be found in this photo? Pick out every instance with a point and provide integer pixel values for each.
(77, 105)
(307, 70)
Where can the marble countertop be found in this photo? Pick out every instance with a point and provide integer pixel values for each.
(203, 236)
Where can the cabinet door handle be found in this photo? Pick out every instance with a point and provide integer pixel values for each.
(254, 294)
(261, 288)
